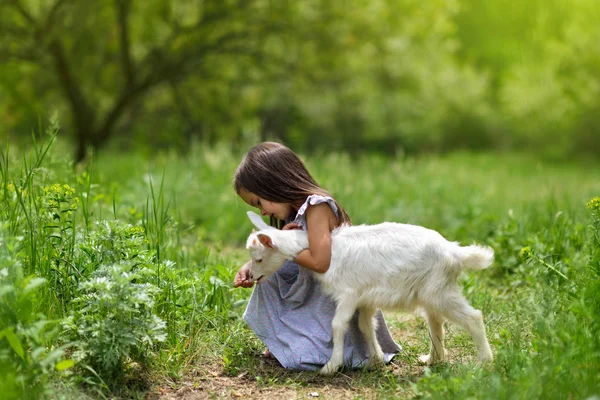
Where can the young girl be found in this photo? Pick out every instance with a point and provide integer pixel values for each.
(288, 311)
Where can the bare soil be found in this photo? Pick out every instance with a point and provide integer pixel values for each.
(209, 381)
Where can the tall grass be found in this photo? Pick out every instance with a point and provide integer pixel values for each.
(101, 272)
(550, 341)
(141, 252)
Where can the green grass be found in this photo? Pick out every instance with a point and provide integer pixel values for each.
(177, 224)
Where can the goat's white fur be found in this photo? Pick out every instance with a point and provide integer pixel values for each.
(388, 266)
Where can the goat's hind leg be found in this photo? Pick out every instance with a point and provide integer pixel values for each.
(343, 314)
(437, 352)
(459, 311)
(368, 326)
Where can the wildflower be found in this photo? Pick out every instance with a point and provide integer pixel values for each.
(68, 190)
(594, 204)
(134, 231)
(526, 253)
(11, 187)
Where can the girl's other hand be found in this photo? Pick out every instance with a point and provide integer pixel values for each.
(290, 226)
(242, 278)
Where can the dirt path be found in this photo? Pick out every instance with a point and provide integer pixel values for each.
(210, 382)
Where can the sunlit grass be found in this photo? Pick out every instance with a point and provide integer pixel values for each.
(179, 219)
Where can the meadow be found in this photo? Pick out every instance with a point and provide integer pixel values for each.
(116, 276)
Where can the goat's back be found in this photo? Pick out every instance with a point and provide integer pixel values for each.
(390, 263)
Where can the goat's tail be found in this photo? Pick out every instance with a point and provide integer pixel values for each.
(475, 256)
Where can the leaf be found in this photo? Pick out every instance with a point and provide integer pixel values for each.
(217, 282)
(33, 284)
(14, 342)
(52, 357)
(65, 364)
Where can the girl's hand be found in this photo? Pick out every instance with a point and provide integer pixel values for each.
(242, 278)
(290, 226)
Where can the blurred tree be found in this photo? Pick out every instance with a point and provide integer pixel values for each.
(551, 96)
(107, 57)
(380, 75)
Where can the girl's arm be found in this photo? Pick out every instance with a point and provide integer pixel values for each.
(320, 221)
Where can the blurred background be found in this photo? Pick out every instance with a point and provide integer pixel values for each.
(477, 118)
(383, 76)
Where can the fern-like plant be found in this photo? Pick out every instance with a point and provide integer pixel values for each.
(115, 322)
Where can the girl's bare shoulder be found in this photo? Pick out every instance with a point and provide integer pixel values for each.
(318, 214)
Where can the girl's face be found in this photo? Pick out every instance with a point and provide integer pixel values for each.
(280, 211)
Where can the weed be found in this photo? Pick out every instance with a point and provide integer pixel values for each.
(114, 323)
(29, 354)
(144, 271)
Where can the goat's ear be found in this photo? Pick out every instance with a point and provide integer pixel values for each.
(257, 220)
(265, 240)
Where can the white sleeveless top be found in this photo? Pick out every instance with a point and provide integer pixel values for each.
(312, 200)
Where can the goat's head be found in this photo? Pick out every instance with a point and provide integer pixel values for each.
(266, 258)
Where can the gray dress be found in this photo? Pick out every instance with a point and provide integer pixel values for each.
(292, 316)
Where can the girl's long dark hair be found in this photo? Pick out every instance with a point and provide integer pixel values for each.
(275, 173)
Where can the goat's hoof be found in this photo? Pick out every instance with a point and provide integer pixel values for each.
(434, 358)
(374, 362)
(485, 358)
(428, 359)
(329, 369)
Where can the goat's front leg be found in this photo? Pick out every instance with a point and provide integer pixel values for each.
(343, 314)
(368, 326)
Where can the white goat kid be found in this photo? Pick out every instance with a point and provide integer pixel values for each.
(387, 266)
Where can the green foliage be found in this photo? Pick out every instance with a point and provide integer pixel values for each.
(590, 303)
(113, 242)
(29, 349)
(240, 352)
(545, 85)
(539, 323)
(388, 76)
(560, 357)
(121, 252)
(113, 320)
(113, 279)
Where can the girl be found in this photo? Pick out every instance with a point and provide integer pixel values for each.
(289, 312)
